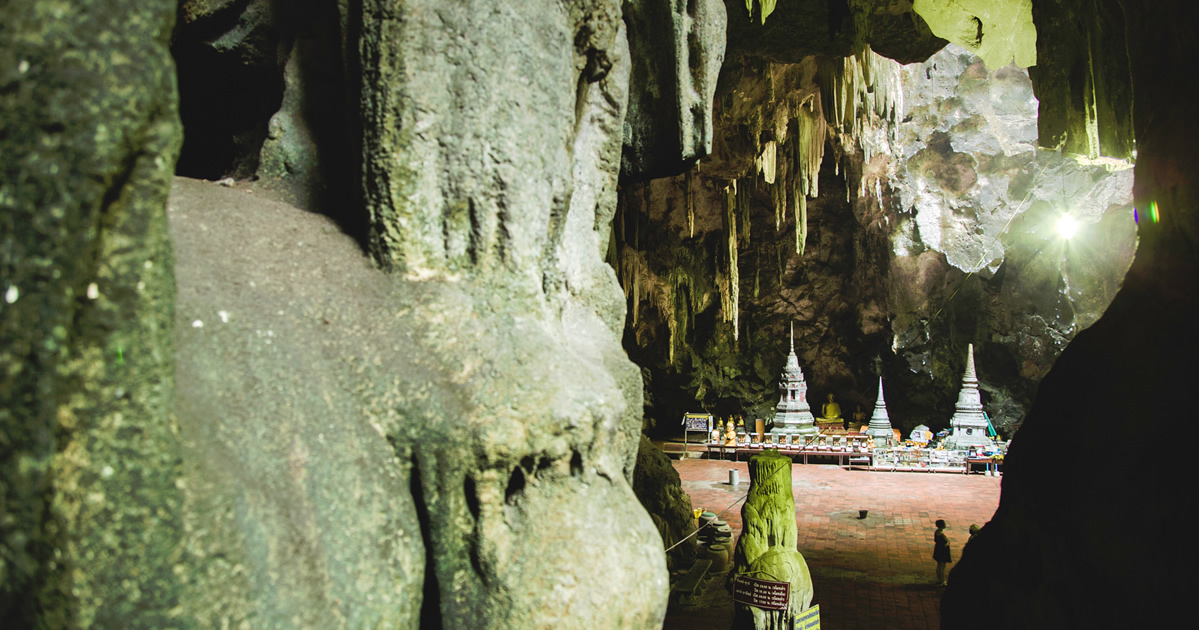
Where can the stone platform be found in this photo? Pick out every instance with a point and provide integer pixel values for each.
(871, 573)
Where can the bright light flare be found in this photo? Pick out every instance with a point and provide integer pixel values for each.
(1067, 227)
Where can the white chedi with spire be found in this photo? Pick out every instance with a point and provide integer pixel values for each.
(880, 426)
(793, 415)
(968, 424)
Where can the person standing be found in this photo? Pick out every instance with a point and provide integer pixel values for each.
(941, 550)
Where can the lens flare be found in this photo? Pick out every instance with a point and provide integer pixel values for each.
(1067, 227)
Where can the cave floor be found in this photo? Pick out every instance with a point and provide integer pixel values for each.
(868, 574)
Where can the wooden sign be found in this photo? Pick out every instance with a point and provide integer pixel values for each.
(761, 593)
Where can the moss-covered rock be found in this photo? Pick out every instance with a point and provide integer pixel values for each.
(89, 459)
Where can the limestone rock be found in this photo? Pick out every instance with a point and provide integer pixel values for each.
(1103, 540)
(90, 515)
(658, 488)
(379, 451)
(800, 28)
(767, 547)
(677, 49)
(308, 145)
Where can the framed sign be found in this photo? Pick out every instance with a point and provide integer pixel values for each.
(697, 422)
(761, 593)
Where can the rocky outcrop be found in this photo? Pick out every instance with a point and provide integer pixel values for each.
(486, 186)
(363, 450)
(90, 514)
(657, 486)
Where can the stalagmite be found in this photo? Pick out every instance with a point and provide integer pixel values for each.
(766, 550)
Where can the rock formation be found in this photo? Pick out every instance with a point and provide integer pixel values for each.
(90, 509)
(766, 550)
(657, 486)
(429, 420)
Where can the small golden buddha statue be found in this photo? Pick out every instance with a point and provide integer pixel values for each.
(831, 411)
(730, 434)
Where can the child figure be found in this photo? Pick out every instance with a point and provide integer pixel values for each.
(941, 550)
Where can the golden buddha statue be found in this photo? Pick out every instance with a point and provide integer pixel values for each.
(730, 434)
(831, 411)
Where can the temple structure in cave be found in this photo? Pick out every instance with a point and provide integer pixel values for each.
(793, 415)
(880, 426)
(968, 424)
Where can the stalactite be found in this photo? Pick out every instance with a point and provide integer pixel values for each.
(691, 208)
(637, 280)
(766, 162)
(757, 269)
(779, 263)
(801, 224)
(744, 200)
(729, 297)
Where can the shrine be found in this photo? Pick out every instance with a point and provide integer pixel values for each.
(968, 425)
(880, 427)
(793, 417)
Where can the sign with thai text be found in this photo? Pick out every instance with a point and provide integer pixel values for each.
(809, 619)
(761, 593)
(697, 422)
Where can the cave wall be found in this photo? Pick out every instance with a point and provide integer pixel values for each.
(460, 470)
(90, 510)
(1073, 546)
(895, 214)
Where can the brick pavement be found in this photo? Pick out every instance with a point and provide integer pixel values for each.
(869, 574)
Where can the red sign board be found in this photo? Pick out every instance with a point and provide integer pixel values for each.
(761, 593)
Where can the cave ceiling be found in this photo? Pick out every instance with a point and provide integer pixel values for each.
(883, 191)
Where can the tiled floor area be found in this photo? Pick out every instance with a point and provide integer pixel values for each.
(869, 574)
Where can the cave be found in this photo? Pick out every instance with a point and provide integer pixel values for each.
(370, 314)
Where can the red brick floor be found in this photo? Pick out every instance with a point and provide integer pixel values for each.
(870, 574)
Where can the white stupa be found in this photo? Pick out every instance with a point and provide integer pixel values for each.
(968, 425)
(880, 426)
(792, 414)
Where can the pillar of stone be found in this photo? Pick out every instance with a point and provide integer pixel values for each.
(766, 549)
(968, 425)
(880, 426)
(792, 414)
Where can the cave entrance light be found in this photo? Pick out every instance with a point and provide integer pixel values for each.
(1067, 226)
